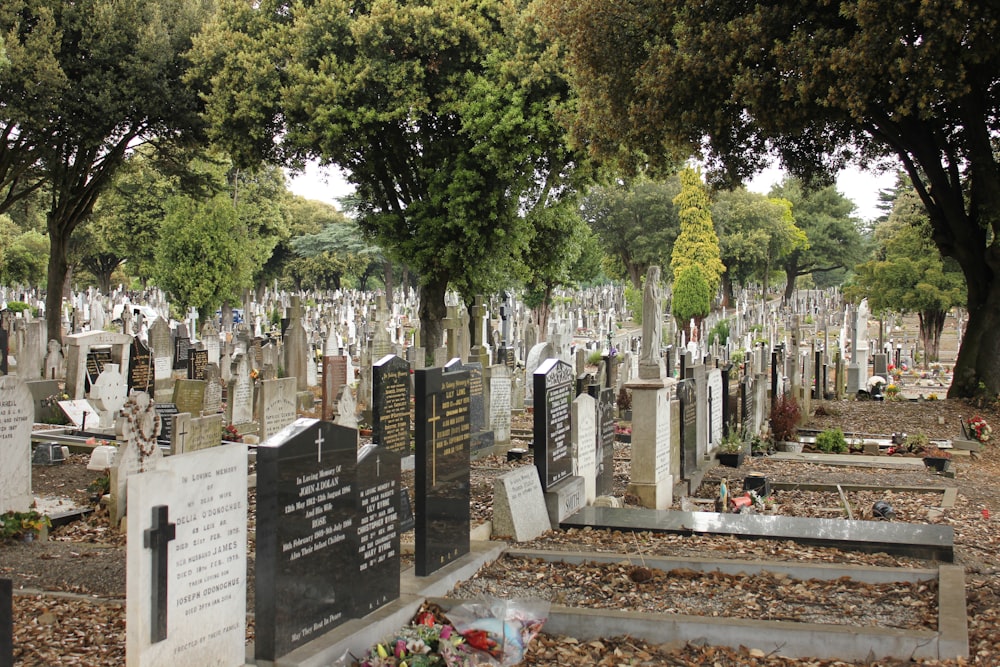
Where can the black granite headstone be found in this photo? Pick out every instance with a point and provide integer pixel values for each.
(166, 412)
(406, 522)
(306, 534)
(196, 362)
(378, 513)
(441, 477)
(746, 401)
(605, 438)
(553, 391)
(140, 368)
(6, 623)
(391, 404)
(182, 348)
(689, 426)
(481, 441)
(96, 359)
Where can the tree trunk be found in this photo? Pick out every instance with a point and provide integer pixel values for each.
(931, 326)
(790, 275)
(542, 312)
(977, 369)
(727, 290)
(432, 313)
(57, 271)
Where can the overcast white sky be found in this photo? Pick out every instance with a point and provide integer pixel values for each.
(862, 187)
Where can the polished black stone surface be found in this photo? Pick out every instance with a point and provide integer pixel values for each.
(6, 623)
(907, 539)
(140, 367)
(554, 391)
(391, 404)
(182, 346)
(166, 411)
(441, 477)
(378, 515)
(307, 564)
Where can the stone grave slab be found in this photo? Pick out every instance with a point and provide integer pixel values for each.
(519, 512)
(17, 416)
(378, 513)
(442, 468)
(78, 412)
(565, 499)
(187, 562)
(932, 542)
(554, 385)
(307, 566)
(584, 411)
(277, 405)
(189, 396)
(391, 404)
(605, 438)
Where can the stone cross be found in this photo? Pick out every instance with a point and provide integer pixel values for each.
(156, 538)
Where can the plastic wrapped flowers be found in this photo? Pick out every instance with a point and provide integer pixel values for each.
(475, 633)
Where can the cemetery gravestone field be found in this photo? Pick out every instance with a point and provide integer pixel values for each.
(89, 558)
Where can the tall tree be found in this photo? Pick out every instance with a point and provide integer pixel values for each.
(755, 234)
(443, 112)
(697, 242)
(908, 273)
(87, 81)
(636, 222)
(824, 214)
(821, 84)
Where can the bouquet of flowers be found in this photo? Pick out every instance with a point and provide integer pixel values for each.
(980, 429)
(480, 633)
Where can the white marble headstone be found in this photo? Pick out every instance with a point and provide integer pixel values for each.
(519, 511)
(204, 537)
(584, 420)
(17, 416)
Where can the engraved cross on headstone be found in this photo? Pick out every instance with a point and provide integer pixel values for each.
(433, 420)
(156, 538)
(181, 437)
(319, 447)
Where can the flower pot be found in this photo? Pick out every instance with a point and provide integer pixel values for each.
(935, 462)
(365, 432)
(788, 446)
(732, 460)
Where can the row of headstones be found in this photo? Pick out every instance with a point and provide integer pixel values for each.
(327, 546)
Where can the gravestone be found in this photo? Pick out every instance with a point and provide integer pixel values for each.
(196, 362)
(519, 512)
(166, 412)
(689, 427)
(138, 427)
(161, 347)
(212, 403)
(307, 565)
(140, 368)
(203, 432)
(186, 561)
(716, 404)
(182, 349)
(880, 365)
(378, 512)
(44, 395)
(334, 377)
(605, 398)
(83, 368)
(17, 416)
(189, 396)
(442, 468)
(179, 432)
(277, 405)
(239, 403)
(553, 391)
(536, 356)
(391, 404)
(584, 418)
(500, 404)
(650, 476)
(79, 412)
(55, 364)
(108, 394)
(481, 440)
